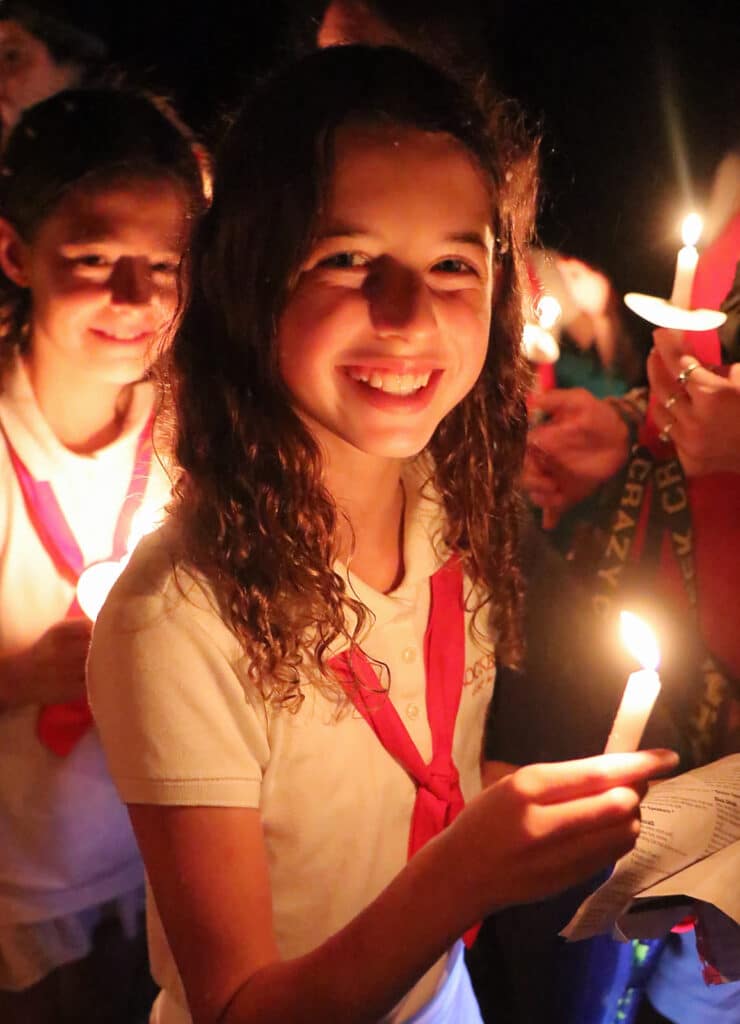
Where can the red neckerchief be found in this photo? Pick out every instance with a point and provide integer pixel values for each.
(714, 498)
(61, 726)
(439, 798)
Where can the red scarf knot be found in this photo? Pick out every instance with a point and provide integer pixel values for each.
(439, 798)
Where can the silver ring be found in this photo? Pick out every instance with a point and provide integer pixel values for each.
(670, 401)
(665, 434)
(684, 375)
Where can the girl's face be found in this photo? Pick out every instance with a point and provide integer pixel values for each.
(387, 328)
(102, 272)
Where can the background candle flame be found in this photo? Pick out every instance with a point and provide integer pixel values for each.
(639, 639)
(548, 311)
(95, 584)
(143, 521)
(691, 229)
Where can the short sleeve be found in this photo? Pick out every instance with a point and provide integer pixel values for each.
(177, 724)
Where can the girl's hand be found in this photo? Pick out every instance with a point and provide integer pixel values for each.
(547, 826)
(51, 671)
(701, 415)
(534, 832)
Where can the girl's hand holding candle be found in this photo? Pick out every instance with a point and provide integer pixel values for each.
(642, 687)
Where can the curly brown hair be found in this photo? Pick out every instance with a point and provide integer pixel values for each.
(255, 517)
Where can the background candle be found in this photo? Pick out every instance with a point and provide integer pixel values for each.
(686, 261)
(95, 584)
(642, 687)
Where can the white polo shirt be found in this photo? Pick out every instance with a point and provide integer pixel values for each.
(182, 725)
(65, 840)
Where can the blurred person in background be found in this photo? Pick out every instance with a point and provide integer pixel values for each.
(98, 191)
(694, 415)
(596, 351)
(44, 48)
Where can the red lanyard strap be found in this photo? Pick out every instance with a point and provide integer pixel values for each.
(49, 522)
(61, 726)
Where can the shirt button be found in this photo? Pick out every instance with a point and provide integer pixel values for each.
(408, 655)
(412, 711)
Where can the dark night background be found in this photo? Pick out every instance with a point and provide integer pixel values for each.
(601, 81)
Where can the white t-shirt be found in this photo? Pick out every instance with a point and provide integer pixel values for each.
(65, 840)
(181, 724)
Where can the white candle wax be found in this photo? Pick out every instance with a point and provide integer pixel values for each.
(683, 282)
(640, 694)
(686, 262)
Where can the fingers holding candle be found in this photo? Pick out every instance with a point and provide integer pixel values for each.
(697, 407)
(589, 776)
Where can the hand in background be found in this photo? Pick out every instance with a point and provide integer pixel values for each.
(582, 445)
(702, 415)
(51, 671)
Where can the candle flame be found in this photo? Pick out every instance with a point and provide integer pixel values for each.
(97, 579)
(95, 584)
(639, 639)
(548, 311)
(143, 521)
(691, 229)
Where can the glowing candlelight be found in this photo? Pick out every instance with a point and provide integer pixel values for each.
(686, 261)
(538, 342)
(548, 311)
(95, 584)
(96, 581)
(642, 687)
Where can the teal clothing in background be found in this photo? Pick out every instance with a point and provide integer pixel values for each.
(577, 369)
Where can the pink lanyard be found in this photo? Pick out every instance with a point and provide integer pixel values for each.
(439, 798)
(60, 726)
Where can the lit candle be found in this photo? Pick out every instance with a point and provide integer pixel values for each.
(642, 687)
(686, 261)
(548, 311)
(94, 585)
(96, 581)
(538, 342)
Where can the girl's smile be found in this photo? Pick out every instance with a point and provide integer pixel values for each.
(387, 328)
(396, 392)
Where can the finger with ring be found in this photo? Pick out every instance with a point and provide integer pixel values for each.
(671, 401)
(665, 433)
(684, 375)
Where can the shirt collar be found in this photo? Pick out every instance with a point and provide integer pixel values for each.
(35, 441)
(424, 550)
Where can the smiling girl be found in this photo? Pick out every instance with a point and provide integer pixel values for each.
(97, 193)
(291, 677)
